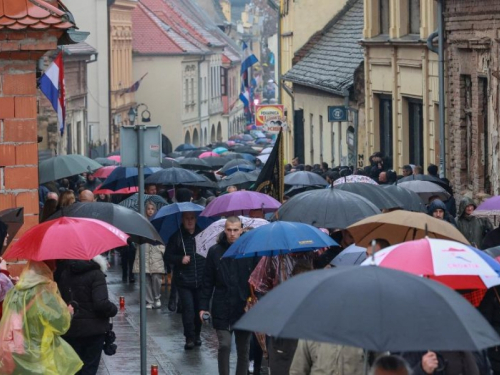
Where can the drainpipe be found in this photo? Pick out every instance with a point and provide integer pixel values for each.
(110, 114)
(200, 86)
(440, 51)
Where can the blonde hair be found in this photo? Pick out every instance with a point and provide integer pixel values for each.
(67, 198)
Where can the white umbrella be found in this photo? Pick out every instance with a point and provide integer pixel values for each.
(267, 150)
(206, 239)
(425, 189)
(263, 158)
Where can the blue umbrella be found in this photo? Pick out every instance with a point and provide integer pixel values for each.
(248, 157)
(124, 177)
(279, 238)
(168, 219)
(350, 256)
(186, 147)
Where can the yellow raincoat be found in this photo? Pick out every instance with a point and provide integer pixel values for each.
(34, 318)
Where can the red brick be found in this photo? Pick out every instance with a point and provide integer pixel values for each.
(6, 201)
(18, 35)
(27, 154)
(20, 131)
(25, 107)
(7, 155)
(9, 46)
(21, 178)
(19, 84)
(29, 201)
(6, 108)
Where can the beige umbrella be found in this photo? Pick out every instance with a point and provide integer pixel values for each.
(400, 226)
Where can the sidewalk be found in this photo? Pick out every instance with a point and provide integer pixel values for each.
(127, 359)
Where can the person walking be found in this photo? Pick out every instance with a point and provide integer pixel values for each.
(437, 209)
(188, 275)
(390, 365)
(83, 285)
(472, 227)
(34, 318)
(155, 266)
(227, 280)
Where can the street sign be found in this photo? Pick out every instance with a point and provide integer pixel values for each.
(337, 113)
(151, 147)
(270, 117)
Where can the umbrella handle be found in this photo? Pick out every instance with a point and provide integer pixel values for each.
(182, 240)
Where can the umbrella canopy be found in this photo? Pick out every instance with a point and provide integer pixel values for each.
(220, 150)
(263, 158)
(169, 163)
(83, 239)
(237, 165)
(232, 155)
(125, 177)
(247, 137)
(240, 203)
(104, 172)
(354, 179)
(65, 166)
(399, 226)
(192, 154)
(207, 183)
(185, 147)
(105, 162)
(195, 164)
(267, 150)
(279, 238)
(216, 162)
(494, 252)
(454, 264)
(375, 194)
(168, 219)
(207, 154)
(248, 157)
(374, 308)
(426, 177)
(411, 201)
(426, 190)
(350, 256)
(115, 158)
(137, 226)
(14, 219)
(490, 206)
(221, 144)
(492, 239)
(206, 239)
(132, 202)
(126, 190)
(304, 178)
(246, 149)
(239, 179)
(173, 176)
(327, 208)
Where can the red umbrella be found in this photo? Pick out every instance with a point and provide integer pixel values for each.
(67, 238)
(116, 158)
(208, 154)
(127, 190)
(104, 171)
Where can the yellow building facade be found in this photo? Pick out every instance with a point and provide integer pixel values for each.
(120, 66)
(401, 82)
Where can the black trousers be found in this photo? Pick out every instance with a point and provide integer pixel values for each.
(89, 349)
(128, 258)
(190, 299)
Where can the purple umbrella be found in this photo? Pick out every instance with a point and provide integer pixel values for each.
(240, 203)
(490, 206)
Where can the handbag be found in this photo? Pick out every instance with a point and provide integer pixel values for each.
(110, 347)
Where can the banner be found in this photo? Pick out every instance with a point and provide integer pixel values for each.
(271, 178)
(270, 117)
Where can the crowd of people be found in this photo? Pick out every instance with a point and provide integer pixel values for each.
(61, 310)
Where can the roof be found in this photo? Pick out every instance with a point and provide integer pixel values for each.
(329, 65)
(32, 14)
(81, 48)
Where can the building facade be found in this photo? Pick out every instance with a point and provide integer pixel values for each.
(401, 82)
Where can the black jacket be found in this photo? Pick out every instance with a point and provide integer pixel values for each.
(490, 308)
(84, 285)
(185, 275)
(451, 363)
(227, 279)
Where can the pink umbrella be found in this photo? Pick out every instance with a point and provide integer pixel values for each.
(127, 190)
(116, 158)
(208, 154)
(104, 172)
(231, 143)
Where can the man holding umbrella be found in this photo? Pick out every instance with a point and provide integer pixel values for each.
(227, 280)
(188, 275)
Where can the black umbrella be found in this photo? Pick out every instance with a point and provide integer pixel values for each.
(375, 194)
(169, 163)
(207, 183)
(240, 179)
(411, 201)
(327, 208)
(14, 219)
(297, 189)
(426, 177)
(186, 147)
(246, 150)
(175, 154)
(373, 308)
(193, 154)
(65, 166)
(173, 176)
(105, 162)
(220, 144)
(137, 226)
(233, 155)
(195, 164)
(304, 178)
(216, 162)
(241, 164)
(492, 239)
(132, 202)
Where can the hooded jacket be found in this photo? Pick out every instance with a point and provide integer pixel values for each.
(472, 227)
(439, 204)
(83, 284)
(227, 279)
(34, 318)
(154, 259)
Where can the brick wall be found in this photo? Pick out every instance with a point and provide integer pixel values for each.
(472, 29)
(19, 52)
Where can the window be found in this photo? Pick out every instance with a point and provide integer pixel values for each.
(466, 105)
(311, 125)
(414, 17)
(416, 132)
(385, 16)
(79, 137)
(483, 134)
(385, 125)
(186, 91)
(223, 78)
(191, 92)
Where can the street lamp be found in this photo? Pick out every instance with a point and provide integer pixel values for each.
(131, 115)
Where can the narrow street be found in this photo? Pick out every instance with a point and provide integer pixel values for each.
(165, 337)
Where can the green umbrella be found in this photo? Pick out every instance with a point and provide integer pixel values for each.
(65, 166)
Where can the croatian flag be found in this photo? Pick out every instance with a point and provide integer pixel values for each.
(249, 60)
(51, 84)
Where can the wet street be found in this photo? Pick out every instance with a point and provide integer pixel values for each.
(165, 336)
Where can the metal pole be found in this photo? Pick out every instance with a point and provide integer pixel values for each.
(279, 56)
(142, 257)
(442, 128)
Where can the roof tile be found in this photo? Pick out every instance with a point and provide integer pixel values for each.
(31, 14)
